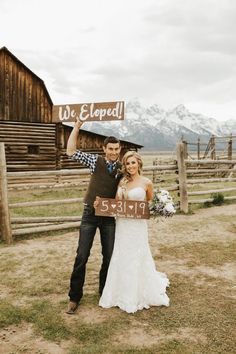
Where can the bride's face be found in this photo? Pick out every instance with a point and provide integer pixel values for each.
(132, 165)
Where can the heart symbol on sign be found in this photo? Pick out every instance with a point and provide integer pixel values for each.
(113, 206)
(131, 207)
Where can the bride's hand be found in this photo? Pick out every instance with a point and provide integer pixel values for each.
(96, 202)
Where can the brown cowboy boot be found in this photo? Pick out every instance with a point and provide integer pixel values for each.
(72, 307)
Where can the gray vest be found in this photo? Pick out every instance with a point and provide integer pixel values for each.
(102, 183)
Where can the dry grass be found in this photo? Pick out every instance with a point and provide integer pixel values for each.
(196, 251)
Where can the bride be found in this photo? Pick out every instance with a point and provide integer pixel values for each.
(133, 283)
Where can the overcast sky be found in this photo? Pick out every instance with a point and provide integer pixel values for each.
(165, 52)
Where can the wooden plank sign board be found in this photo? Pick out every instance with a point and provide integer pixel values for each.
(135, 209)
(103, 111)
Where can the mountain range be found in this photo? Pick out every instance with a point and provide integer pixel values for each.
(155, 128)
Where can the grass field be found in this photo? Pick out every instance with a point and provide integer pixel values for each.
(196, 251)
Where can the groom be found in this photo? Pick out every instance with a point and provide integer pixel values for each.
(103, 183)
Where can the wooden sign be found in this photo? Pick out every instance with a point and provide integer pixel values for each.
(103, 111)
(135, 209)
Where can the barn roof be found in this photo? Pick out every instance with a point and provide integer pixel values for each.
(4, 49)
(103, 136)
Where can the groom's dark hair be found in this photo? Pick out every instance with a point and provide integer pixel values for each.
(111, 139)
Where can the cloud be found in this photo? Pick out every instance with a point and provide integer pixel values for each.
(166, 52)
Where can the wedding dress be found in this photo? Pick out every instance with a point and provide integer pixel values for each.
(133, 283)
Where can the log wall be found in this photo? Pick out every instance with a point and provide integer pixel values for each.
(23, 95)
(29, 146)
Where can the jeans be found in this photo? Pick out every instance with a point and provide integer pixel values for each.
(89, 224)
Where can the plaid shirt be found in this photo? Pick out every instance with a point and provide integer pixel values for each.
(89, 160)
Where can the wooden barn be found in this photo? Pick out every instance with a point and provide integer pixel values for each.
(32, 141)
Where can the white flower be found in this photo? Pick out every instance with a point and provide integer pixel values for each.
(162, 204)
(163, 198)
(169, 207)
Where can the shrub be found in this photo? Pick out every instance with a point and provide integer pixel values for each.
(218, 199)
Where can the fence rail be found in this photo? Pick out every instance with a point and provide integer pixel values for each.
(211, 168)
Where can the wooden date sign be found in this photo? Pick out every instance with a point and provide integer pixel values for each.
(135, 209)
(103, 111)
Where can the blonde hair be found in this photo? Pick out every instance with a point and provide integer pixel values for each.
(126, 176)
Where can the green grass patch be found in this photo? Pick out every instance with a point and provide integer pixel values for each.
(199, 308)
(95, 333)
(9, 314)
(43, 314)
(18, 196)
(199, 253)
(47, 320)
(73, 209)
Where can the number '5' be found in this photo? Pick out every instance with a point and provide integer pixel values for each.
(104, 205)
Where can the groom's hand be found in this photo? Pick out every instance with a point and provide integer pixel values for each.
(78, 123)
(96, 202)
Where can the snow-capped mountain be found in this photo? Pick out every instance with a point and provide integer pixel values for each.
(155, 128)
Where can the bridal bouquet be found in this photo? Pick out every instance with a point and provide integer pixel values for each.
(162, 204)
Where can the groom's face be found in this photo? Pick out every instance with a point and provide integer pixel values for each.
(112, 151)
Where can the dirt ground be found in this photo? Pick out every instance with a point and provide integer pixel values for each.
(216, 224)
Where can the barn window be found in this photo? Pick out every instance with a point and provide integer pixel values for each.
(33, 149)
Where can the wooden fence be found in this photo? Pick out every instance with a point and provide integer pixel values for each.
(201, 172)
(179, 177)
(217, 148)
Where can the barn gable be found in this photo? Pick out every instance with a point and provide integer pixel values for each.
(23, 95)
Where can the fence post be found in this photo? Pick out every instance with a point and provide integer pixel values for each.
(182, 178)
(198, 149)
(185, 147)
(213, 148)
(5, 223)
(154, 174)
(230, 148)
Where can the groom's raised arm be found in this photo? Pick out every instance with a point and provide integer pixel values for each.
(72, 141)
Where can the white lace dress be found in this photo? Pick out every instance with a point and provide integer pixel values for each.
(133, 283)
